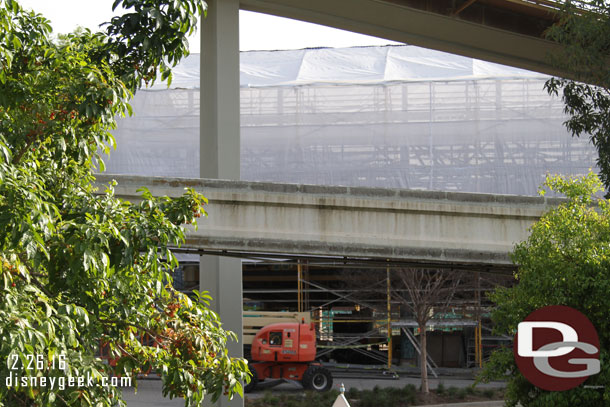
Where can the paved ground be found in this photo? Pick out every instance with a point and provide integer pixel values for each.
(149, 395)
(149, 391)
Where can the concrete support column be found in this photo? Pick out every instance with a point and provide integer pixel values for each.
(221, 276)
(219, 153)
(219, 120)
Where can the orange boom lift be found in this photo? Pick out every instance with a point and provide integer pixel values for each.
(287, 350)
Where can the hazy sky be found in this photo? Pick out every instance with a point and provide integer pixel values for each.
(257, 31)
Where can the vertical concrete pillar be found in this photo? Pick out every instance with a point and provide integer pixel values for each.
(219, 153)
(219, 148)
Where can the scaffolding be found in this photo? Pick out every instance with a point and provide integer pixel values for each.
(470, 126)
(363, 318)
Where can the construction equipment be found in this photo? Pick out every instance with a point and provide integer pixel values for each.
(287, 350)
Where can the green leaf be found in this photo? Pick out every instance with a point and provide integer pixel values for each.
(16, 42)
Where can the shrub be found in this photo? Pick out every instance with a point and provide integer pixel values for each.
(387, 397)
(377, 397)
(270, 400)
(440, 389)
(352, 393)
(409, 394)
(489, 393)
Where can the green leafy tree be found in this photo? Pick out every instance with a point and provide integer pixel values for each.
(80, 268)
(584, 31)
(565, 261)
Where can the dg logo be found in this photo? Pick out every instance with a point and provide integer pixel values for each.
(556, 348)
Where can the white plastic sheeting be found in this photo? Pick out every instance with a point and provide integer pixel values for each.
(357, 65)
(394, 116)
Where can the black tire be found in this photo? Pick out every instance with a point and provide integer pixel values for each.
(253, 380)
(248, 353)
(317, 378)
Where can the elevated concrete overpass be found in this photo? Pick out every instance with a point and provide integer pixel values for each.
(444, 229)
(509, 32)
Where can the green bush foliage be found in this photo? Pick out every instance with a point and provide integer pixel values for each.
(565, 261)
(377, 397)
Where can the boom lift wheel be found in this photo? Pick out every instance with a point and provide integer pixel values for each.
(317, 378)
(253, 380)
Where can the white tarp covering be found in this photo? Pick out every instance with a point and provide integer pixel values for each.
(392, 116)
(357, 65)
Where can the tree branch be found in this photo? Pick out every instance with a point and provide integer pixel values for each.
(33, 275)
(141, 328)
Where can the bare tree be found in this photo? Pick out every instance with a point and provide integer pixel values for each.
(423, 292)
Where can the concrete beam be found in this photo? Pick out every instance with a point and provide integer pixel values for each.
(420, 226)
(402, 23)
